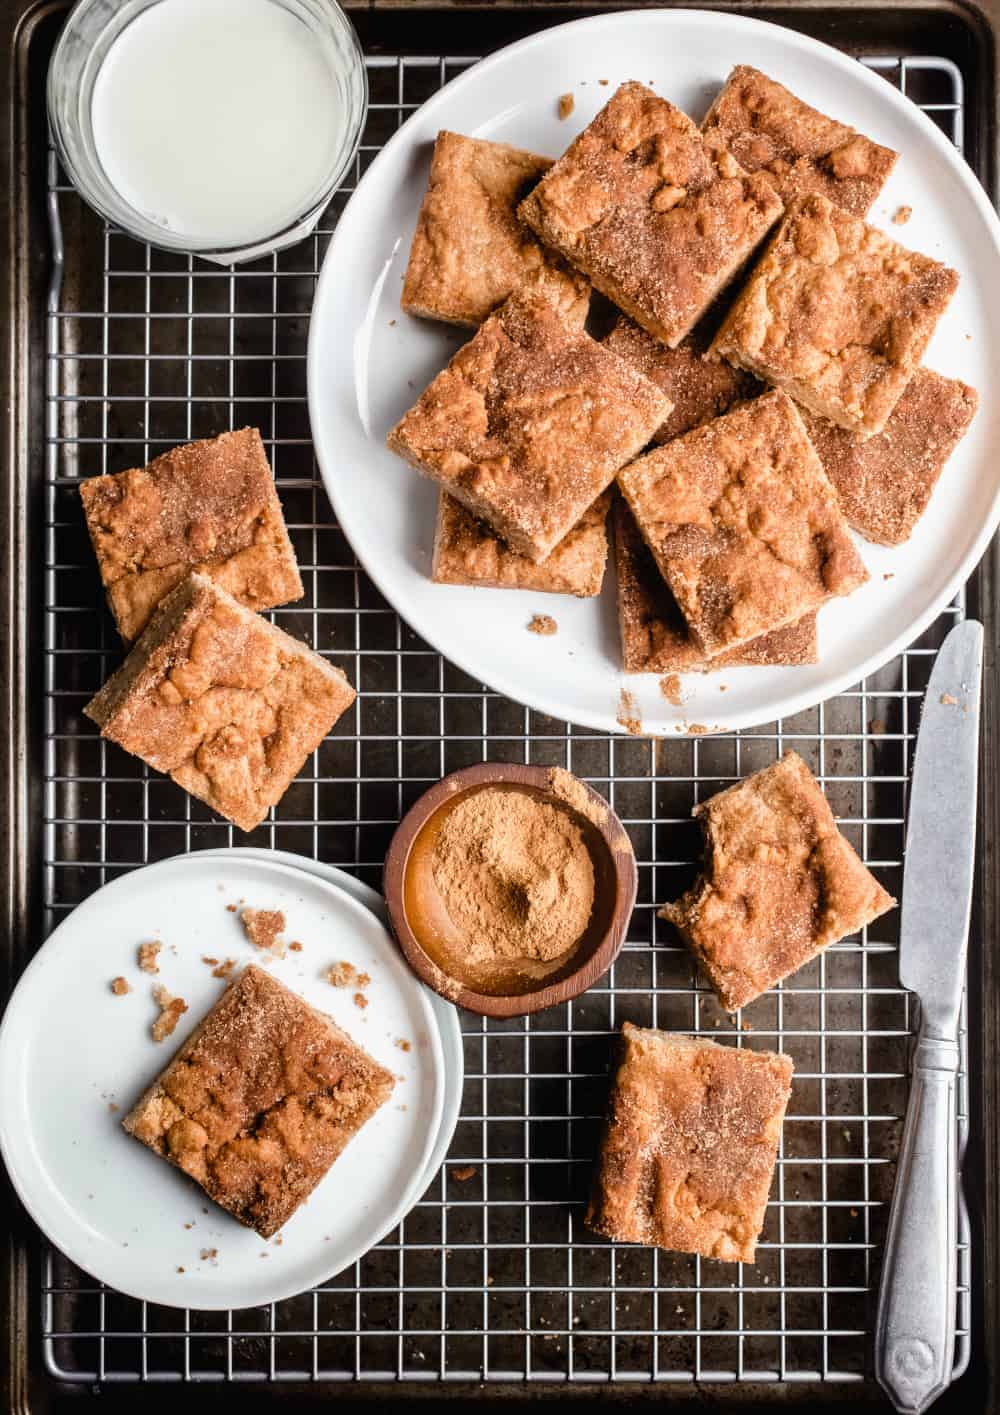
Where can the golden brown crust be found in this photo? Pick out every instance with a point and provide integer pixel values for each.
(655, 638)
(837, 314)
(779, 883)
(795, 147)
(885, 483)
(222, 701)
(700, 389)
(690, 1144)
(209, 506)
(743, 524)
(529, 423)
(467, 552)
(260, 1101)
(658, 217)
(469, 250)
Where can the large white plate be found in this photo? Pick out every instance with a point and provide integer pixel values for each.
(69, 1050)
(445, 1012)
(368, 361)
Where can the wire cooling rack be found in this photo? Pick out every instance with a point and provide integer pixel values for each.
(493, 1276)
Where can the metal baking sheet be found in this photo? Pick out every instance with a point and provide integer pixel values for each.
(118, 352)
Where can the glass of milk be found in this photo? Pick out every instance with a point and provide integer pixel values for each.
(216, 127)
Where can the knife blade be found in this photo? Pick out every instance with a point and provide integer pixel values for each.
(915, 1327)
(940, 841)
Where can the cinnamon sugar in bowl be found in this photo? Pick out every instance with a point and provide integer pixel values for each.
(510, 888)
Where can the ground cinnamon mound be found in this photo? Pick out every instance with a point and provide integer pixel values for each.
(515, 876)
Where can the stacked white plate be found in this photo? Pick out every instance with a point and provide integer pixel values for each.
(74, 1058)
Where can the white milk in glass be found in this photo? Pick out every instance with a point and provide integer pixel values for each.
(217, 119)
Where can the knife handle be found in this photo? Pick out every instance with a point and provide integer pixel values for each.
(915, 1329)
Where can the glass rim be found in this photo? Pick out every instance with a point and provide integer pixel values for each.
(125, 218)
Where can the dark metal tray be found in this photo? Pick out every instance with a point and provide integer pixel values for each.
(491, 1288)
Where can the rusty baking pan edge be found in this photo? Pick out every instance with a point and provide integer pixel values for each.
(972, 29)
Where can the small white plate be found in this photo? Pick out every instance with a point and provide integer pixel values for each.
(70, 1049)
(368, 361)
(445, 1013)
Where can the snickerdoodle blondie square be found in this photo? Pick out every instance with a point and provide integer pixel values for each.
(469, 250)
(885, 482)
(228, 705)
(794, 146)
(654, 635)
(467, 552)
(690, 1144)
(699, 388)
(659, 217)
(779, 883)
(260, 1100)
(529, 423)
(209, 506)
(836, 314)
(743, 523)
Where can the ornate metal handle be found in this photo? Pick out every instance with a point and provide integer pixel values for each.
(915, 1331)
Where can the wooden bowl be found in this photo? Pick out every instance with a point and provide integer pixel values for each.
(416, 910)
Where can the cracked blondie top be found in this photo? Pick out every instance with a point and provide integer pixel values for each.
(795, 147)
(779, 883)
(467, 552)
(700, 389)
(229, 706)
(885, 483)
(260, 1100)
(529, 423)
(837, 314)
(655, 637)
(690, 1144)
(469, 250)
(209, 506)
(743, 524)
(659, 217)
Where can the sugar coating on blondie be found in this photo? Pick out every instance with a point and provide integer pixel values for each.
(228, 705)
(699, 388)
(654, 635)
(779, 883)
(260, 1100)
(743, 523)
(209, 506)
(690, 1144)
(885, 482)
(469, 250)
(529, 423)
(795, 147)
(837, 314)
(659, 217)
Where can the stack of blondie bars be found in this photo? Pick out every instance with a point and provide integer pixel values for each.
(190, 548)
(758, 395)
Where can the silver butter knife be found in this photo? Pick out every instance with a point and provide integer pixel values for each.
(915, 1330)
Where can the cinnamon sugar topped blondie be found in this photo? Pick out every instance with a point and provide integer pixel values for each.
(210, 506)
(659, 217)
(779, 883)
(743, 523)
(228, 705)
(700, 389)
(469, 250)
(529, 423)
(795, 147)
(837, 314)
(654, 635)
(260, 1100)
(885, 483)
(467, 552)
(690, 1144)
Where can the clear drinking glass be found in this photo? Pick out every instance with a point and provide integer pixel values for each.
(88, 34)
